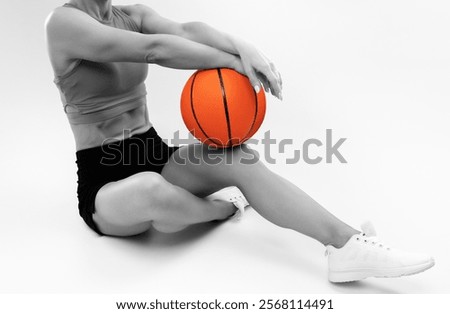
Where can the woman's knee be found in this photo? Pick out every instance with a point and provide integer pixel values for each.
(151, 189)
(148, 181)
(163, 214)
(244, 155)
(241, 155)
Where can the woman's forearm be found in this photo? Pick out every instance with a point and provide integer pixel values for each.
(253, 63)
(181, 53)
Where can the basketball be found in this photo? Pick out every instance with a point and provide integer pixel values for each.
(220, 107)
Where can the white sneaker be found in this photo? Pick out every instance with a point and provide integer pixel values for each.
(231, 194)
(364, 256)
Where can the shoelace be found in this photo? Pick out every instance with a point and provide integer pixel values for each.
(366, 240)
(368, 237)
(240, 203)
(371, 240)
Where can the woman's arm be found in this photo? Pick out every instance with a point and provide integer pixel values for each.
(74, 35)
(256, 66)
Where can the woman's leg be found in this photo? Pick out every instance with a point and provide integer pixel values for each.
(171, 201)
(275, 198)
(130, 206)
(167, 202)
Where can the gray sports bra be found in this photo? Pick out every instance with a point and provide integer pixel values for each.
(94, 92)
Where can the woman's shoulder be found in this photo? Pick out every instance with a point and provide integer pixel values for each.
(133, 10)
(61, 16)
(59, 26)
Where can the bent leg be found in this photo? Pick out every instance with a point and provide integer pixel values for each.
(130, 206)
(272, 196)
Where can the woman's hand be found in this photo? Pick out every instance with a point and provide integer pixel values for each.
(259, 69)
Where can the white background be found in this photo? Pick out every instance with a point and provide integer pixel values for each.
(376, 72)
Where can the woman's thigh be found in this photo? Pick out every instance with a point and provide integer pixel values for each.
(202, 171)
(131, 206)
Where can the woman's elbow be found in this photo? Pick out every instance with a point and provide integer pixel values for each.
(192, 28)
(162, 48)
(154, 50)
(152, 57)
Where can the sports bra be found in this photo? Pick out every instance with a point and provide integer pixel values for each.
(93, 92)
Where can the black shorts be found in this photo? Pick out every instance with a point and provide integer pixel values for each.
(115, 161)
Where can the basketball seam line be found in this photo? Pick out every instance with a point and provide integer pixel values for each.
(193, 110)
(254, 118)
(225, 104)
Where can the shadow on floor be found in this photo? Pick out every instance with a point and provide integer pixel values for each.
(362, 287)
(159, 240)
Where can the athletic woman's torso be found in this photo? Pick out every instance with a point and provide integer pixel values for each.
(102, 100)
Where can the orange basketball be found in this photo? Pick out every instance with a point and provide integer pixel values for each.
(221, 108)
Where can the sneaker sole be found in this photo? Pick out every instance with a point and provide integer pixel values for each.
(354, 275)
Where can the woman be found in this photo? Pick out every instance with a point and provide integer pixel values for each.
(100, 54)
